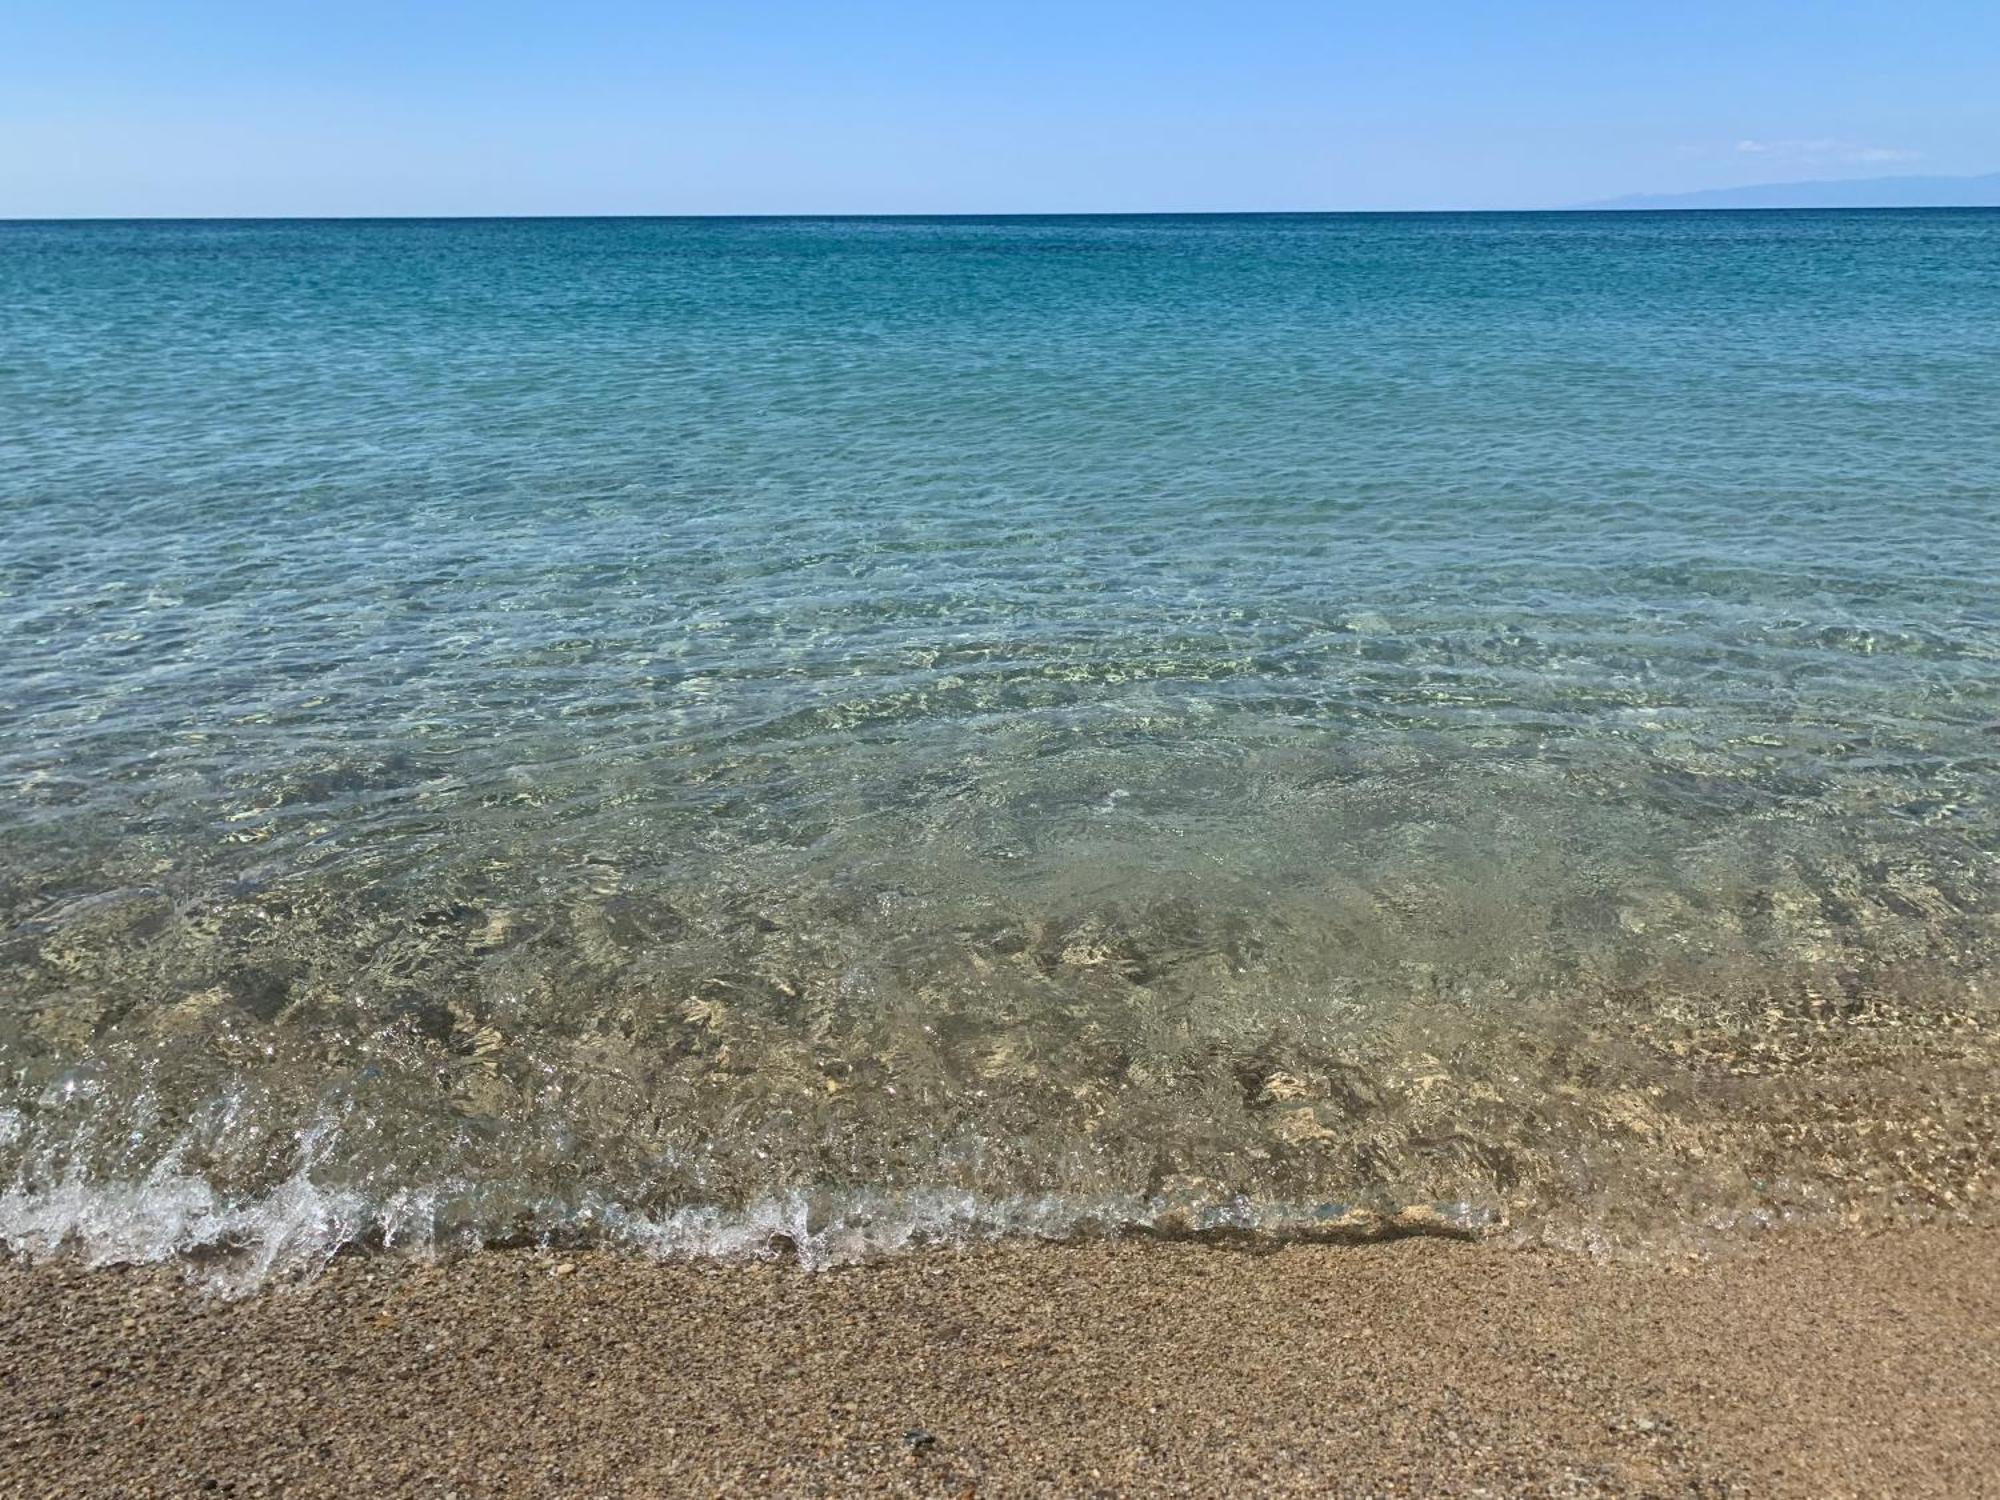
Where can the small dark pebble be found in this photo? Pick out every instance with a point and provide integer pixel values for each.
(917, 1440)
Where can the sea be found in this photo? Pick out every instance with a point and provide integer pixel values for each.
(834, 738)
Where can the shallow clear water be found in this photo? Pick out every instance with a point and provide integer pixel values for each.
(860, 731)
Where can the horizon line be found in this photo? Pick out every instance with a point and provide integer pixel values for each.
(1605, 209)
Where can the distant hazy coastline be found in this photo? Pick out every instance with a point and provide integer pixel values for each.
(1867, 192)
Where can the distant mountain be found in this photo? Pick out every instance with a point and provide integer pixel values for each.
(1865, 192)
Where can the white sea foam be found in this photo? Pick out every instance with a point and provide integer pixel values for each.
(296, 1228)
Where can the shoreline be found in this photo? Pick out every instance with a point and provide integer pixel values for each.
(1812, 1363)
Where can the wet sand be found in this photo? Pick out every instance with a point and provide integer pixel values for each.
(1811, 1366)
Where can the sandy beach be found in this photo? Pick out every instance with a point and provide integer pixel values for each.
(1815, 1365)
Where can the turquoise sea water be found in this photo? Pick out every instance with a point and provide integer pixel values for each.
(830, 734)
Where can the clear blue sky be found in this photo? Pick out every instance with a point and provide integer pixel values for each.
(617, 106)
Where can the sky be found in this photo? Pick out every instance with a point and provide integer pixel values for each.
(293, 107)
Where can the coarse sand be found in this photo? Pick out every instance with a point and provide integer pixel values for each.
(1815, 1365)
